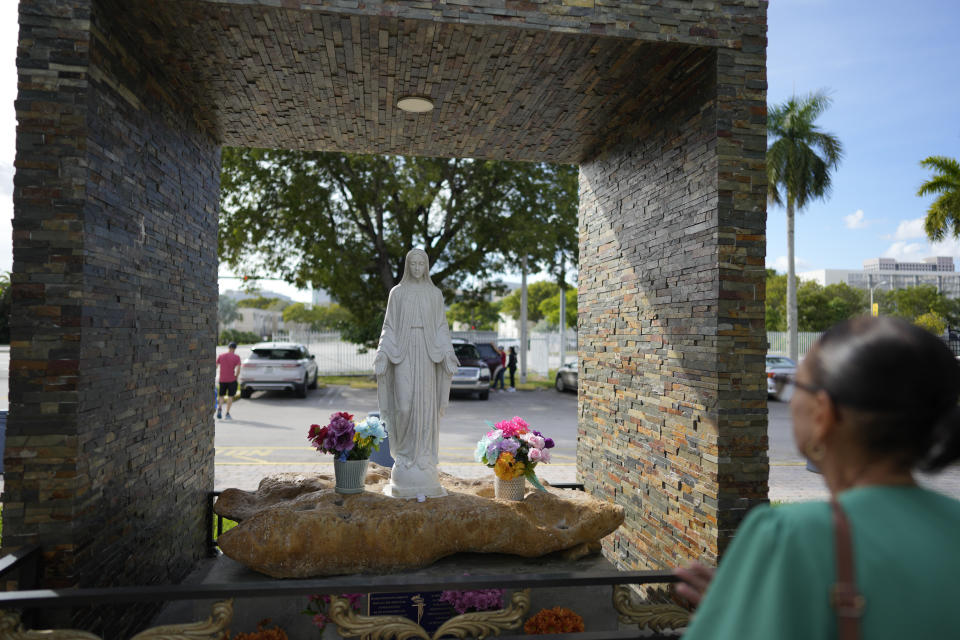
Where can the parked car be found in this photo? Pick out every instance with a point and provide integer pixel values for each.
(278, 366)
(567, 377)
(490, 355)
(778, 364)
(473, 374)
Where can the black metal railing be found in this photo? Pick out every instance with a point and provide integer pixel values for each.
(37, 600)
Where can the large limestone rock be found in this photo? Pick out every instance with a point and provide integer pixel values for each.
(296, 526)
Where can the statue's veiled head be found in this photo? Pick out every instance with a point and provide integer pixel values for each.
(416, 268)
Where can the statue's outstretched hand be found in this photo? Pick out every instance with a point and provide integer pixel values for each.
(380, 364)
(450, 363)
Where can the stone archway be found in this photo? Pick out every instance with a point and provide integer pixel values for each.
(122, 109)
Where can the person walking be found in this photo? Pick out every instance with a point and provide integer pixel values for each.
(503, 367)
(229, 364)
(512, 365)
(873, 400)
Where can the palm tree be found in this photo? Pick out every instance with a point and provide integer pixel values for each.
(797, 174)
(944, 213)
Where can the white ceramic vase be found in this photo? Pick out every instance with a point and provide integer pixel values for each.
(509, 489)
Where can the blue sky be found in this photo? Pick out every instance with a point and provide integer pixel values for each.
(891, 69)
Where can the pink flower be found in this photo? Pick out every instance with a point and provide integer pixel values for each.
(511, 428)
(520, 422)
(535, 455)
(544, 455)
(320, 620)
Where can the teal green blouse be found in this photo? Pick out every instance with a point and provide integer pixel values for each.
(775, 580)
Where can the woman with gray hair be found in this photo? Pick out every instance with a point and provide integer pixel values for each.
(874, 400)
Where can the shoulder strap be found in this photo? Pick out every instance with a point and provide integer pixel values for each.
(845, 598)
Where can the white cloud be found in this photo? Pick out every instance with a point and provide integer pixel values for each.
(780, 264)
(910, 230)
(903, 251)
(855, 220)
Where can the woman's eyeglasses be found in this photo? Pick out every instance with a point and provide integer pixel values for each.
(786, 382)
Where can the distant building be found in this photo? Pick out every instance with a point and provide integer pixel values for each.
(886, 274)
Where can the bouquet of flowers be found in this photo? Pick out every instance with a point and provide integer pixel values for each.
(346, 438)
(512, 450)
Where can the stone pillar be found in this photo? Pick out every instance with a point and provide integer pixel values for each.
(671, 317)
(109, 452)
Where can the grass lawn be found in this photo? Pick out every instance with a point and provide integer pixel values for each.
(227, 525)
(533, 382)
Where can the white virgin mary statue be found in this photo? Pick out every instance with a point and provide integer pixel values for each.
(414, 364)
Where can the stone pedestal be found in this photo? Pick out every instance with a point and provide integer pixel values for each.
(296, 526)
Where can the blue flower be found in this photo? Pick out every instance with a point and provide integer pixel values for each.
(480, 454)
(372, 428)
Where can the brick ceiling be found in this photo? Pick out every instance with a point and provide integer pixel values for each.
(284, 78)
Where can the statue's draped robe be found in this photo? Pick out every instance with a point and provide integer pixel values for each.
(415, 390)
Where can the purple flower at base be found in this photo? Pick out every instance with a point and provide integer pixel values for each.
(476, 600)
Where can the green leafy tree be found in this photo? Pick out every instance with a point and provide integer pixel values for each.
(330, 317)
(932, 322)
(776, 301)
(537, 292)
(263, 302)
(344, 223)
(819, 308)
(550, 309)
(227, 310)
(474, 306)
(798, 174)
(5, 308)
(913, 302)
(944, 214)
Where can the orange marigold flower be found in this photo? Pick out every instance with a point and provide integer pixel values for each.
(507, 467)
(556, 620)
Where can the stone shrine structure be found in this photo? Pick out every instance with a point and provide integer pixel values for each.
(122, 109)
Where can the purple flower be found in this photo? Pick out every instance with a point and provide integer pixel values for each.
(509, 445)
(477, 600)
(548, 443)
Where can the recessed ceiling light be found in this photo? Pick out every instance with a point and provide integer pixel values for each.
(415, 104)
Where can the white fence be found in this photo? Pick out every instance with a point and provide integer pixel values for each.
(778, 341)
(335, 356)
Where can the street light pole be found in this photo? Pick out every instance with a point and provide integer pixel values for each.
(879, 284)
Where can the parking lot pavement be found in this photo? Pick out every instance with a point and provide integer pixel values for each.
(268, 432)
(268, 436)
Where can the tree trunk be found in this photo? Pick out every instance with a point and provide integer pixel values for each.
(523, 321)
(563, 311)
(791, 286)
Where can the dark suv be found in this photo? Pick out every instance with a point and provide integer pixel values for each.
(472, 375)
(490, 355)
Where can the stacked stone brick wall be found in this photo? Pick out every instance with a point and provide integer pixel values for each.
(110, 439)
(672, 405)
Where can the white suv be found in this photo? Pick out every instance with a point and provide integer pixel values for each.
(278, 366)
